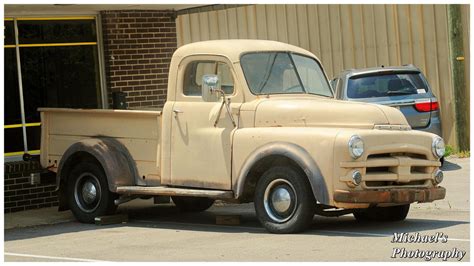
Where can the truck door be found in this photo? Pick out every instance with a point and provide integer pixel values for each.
(200, 151)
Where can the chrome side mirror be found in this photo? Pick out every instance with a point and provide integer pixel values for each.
(210, 88)
(211, 92)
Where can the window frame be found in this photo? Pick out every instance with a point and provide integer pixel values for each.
(186, 61)
(102, 99)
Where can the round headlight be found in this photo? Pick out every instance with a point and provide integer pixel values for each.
(356, 146)
(438, 147)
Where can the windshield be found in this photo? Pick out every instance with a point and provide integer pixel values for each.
(386, 85)
(282, 72)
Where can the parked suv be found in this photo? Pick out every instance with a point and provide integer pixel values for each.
(403, 87)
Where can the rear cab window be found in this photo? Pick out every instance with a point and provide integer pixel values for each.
(386, 85)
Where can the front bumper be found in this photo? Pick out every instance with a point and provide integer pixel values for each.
(390, 196)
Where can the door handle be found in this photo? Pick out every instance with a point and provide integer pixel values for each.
(177, 111)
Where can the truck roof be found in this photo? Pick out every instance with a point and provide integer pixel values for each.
(233, 49)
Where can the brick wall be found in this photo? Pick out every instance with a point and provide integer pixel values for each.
(20, 194)
(138, 45)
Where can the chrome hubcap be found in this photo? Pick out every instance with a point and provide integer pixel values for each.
(87, 192)
(280, 200)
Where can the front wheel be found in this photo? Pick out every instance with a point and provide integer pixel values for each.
(284, 201)
(88, 192)
(383, 214)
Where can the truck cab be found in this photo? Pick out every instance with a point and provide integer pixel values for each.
(245, 121)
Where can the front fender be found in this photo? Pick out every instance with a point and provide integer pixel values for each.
(294, 152)
(113, 156)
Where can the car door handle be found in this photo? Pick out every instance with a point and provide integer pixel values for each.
(177, 111)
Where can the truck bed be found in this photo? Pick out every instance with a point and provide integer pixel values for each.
(138, 130)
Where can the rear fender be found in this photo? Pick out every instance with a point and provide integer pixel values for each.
(113, 156)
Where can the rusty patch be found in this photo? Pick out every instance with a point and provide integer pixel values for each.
(391, 196)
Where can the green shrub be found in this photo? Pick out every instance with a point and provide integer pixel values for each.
(449, 151)
(464, 154)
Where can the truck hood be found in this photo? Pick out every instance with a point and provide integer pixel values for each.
(313, 111)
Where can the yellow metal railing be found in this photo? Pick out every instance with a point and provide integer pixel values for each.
(20, 125)
(52, 18)
(50, 44)
(18, 153)
(56, 18)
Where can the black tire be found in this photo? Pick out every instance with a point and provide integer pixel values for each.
(82, 176)
(288, 186)
(383, 214)
(192, 204)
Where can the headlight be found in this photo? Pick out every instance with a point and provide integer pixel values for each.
(356, 146)
(438, 147)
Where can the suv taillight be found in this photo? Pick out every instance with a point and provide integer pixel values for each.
(426, 106)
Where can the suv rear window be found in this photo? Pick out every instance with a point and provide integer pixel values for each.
(385, 85)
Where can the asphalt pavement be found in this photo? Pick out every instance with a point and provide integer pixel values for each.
(161, 233)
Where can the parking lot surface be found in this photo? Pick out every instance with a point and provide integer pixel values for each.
(161, 233)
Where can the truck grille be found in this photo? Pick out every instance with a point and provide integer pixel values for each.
(393, 170)
(373, 184)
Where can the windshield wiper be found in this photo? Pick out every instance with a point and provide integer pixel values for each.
(268, 74)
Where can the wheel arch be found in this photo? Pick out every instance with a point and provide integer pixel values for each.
(279, 153)
(114, 158)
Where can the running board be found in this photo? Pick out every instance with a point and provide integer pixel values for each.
(172, 191)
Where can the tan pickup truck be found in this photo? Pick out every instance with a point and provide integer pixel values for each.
(245, 121)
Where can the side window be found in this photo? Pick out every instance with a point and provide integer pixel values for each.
(195, 70)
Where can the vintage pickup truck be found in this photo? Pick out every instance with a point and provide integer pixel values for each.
(245, 121)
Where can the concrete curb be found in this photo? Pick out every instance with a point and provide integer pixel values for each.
(45, 216)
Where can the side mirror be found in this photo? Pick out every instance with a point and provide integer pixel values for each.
(210, 87)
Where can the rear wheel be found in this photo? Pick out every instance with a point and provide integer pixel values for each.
(192, 204)
(88, 192)
(383, 214)
(284, 201)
